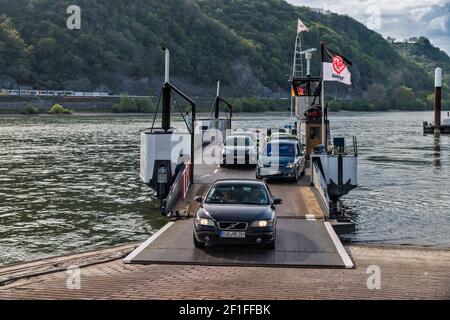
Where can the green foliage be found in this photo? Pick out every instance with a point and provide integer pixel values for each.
(248, 44)
(145, 105)
(128, 104)
(400, 98)
(428, 58)
(30, 109)
(14, 53)
(376, 93)
(59, 109)
(254, 104)
(241, 42)
(352, 105)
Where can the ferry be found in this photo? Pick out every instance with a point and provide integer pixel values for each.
(302, 230)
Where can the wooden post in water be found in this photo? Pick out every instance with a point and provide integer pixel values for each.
(438, 100)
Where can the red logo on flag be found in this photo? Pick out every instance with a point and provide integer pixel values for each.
(338, 64)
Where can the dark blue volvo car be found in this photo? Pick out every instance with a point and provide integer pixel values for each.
(283, 159)
(236, 212)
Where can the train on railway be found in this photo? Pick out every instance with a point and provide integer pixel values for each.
(51, 93)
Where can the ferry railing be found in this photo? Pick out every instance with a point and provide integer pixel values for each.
(355, 146)
(319, 182)
(178, 190)
(349, 150)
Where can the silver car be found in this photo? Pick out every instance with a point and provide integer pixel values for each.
(238, 150)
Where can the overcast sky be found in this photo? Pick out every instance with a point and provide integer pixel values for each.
(400, 19)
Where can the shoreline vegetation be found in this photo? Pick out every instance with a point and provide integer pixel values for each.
(400, 99)
(248, 49)
(56, 109)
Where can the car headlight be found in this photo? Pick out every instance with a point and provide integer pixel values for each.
(262, 223)
(290, 165)
(204, 222)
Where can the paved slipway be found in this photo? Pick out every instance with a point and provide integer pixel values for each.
(406, 273)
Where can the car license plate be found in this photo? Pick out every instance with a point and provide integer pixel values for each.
(232, 234)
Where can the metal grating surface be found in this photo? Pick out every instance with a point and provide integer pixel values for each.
(300, 243)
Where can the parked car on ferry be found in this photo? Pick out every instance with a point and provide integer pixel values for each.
(236, 212)
(238, 150)
(270, 132)
(283, 159)
(282, 136)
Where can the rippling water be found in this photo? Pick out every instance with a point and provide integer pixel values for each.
(71, 184)
(404, 178)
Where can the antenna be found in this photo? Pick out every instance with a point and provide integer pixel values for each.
(308, 50)
(308, 57)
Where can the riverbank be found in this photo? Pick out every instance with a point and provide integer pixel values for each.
(406, 272)
(105, 113)
(125, 104)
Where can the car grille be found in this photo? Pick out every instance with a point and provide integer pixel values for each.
(233, 225)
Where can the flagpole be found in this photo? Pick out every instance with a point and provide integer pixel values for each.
(323, 114)
(323, 99)
(293, 73)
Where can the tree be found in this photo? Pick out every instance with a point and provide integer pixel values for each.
(239, 42)
(14, 53)
(376, 93)
(403, 97)
(126, 104)
(391, 39)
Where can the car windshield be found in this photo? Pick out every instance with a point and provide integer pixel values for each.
(284, 137)
(250, 194)
(279, 134)
(239, 141)
(279, 149)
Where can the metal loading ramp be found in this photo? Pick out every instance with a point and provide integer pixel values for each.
(300, 243)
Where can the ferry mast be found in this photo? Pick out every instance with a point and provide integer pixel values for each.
(333, 164)
(297, 64)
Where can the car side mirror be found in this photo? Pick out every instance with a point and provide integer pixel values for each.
(198, 199)
(277, 201)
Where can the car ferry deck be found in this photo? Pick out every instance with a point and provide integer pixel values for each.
(304, 238)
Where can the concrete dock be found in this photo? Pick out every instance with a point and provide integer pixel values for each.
(405, 273)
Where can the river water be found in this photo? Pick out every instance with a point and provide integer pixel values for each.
(70, 184)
